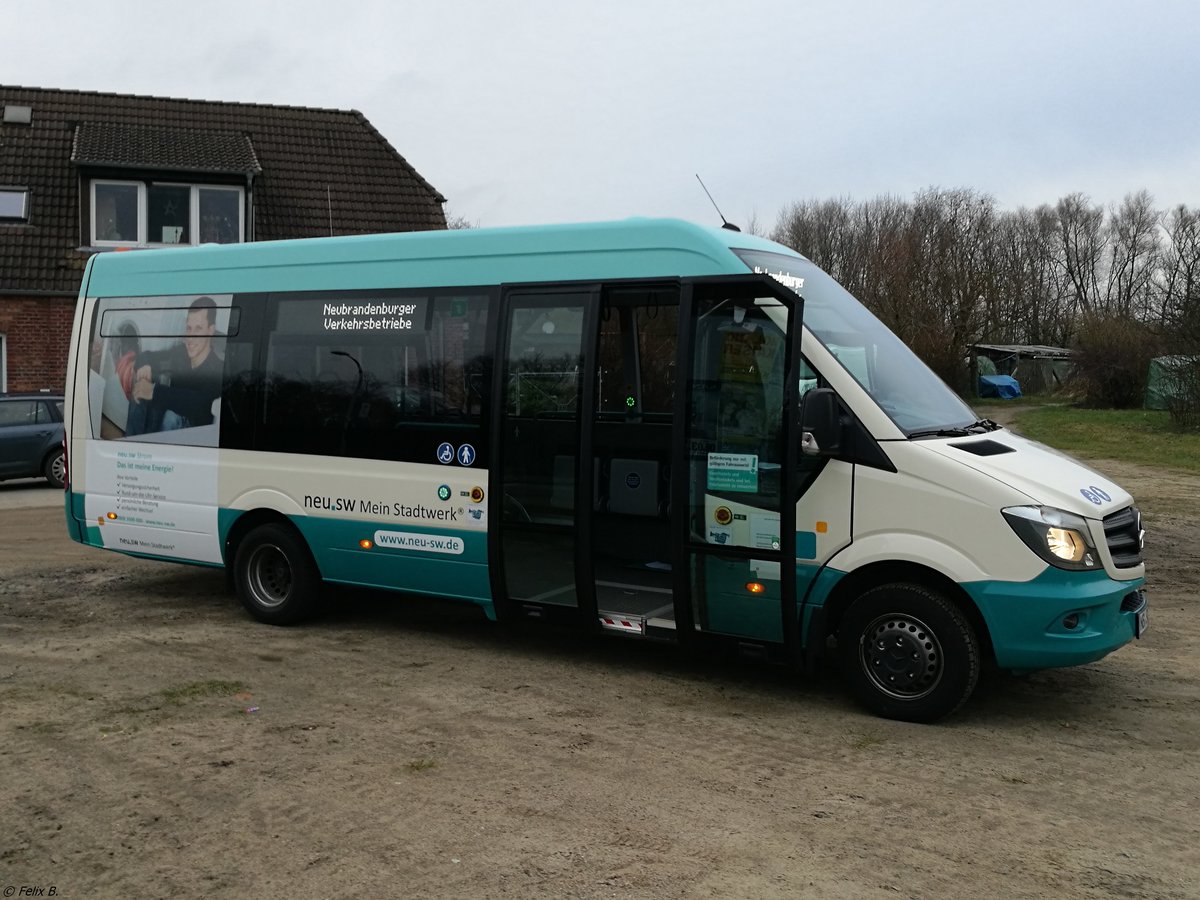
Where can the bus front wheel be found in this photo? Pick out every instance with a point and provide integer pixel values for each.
(276, 578)
(908, 653)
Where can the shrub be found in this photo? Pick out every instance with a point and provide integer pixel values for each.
(1112, 361)
(1184, 401)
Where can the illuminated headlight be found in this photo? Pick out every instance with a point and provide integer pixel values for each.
(1059, 537)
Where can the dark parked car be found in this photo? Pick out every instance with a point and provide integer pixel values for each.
(31, 437)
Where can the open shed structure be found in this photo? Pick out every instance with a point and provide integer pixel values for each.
(1038, 368)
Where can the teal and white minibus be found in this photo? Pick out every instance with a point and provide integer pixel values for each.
(646, 427)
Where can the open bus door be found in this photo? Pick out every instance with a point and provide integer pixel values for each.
(737, 451)
(645, 466)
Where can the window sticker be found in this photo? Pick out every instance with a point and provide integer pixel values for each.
(764, 531)
(720, 534)
(733, 472)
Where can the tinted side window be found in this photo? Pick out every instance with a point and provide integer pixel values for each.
(377, 375)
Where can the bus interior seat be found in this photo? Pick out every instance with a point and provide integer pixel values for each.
(633, 487)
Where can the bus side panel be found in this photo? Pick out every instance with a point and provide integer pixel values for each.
(424, 526)
(126, 506)
(419, 559)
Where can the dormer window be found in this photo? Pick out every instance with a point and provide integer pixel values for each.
(152, 213)
(149, 186)
(14, 205)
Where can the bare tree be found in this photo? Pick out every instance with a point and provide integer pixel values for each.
(1134, 251)
(455, 222)
(1179, 278)
(946, 269)
(1083, 244)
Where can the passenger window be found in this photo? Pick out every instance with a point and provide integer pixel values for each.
(735, 416)
(544, 360)
(374, 375)
(638, 339)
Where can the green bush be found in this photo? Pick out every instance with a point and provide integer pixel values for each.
(1112, 361)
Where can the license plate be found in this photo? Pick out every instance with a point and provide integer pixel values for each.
(1142, 622)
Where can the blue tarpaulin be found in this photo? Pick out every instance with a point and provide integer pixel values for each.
(1003, 386)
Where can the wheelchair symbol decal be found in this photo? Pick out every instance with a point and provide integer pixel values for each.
(445, 453)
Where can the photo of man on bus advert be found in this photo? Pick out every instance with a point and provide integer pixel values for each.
(157, 368)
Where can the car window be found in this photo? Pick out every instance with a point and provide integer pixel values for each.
(18, 412)
(58, 405)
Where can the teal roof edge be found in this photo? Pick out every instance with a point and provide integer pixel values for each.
(632, 248)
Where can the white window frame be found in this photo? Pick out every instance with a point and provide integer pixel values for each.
(143, 211)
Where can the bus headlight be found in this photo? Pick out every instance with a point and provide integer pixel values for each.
(1059, 537)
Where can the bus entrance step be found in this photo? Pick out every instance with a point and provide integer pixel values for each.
(622, 623)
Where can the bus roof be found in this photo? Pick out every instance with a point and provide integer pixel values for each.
(632, 248)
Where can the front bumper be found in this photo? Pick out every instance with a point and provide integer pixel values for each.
(1059, 618)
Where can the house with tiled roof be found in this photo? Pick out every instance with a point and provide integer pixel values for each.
(84, 172)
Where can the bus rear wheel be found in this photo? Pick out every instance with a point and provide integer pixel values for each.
(275, 576)
(908, 653)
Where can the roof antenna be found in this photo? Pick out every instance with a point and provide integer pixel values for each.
(724, 222)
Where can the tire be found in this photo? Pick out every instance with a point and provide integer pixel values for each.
(908, 653)
(275, 575)
(55, 468)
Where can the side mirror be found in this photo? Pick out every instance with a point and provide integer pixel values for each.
(820, 423)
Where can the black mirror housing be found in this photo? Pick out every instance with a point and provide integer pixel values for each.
(820, 423)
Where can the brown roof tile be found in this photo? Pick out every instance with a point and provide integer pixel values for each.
(309, 166)
(168, 149)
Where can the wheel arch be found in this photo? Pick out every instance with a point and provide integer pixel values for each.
(876, 574)
(246, 522)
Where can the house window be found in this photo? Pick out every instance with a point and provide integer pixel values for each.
(162, 214)
(14, 205)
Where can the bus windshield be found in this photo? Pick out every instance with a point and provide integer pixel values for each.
(905, 388)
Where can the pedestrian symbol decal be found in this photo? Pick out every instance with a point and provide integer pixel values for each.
(466, 454)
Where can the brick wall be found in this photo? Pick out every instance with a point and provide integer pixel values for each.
(37, 331)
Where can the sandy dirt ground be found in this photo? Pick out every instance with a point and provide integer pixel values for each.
(156, 742)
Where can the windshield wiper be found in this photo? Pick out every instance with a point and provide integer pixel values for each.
(979, 426)
(941, 432)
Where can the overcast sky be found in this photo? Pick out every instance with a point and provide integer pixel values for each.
(534, 111)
